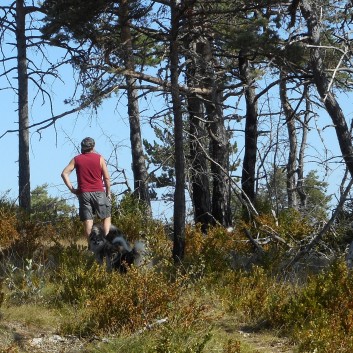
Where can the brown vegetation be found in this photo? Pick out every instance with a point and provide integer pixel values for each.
(223, 297)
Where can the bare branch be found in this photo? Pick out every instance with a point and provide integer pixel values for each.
(52, 120)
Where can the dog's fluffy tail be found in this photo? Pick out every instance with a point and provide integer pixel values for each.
(139, 253)
(139, 247)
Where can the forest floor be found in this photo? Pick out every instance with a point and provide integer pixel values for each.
(17, 336)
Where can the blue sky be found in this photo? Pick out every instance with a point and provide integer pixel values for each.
(52, 149)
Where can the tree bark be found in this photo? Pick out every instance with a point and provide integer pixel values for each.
(138, 159)
(251, 124)
(200, 180)
(219, 139)
(24, 185)
(290, 117)
(179, 193)
(322, 84)
(300, 185)
(198, 138)
(220, 160)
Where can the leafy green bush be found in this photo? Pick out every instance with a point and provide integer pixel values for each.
(78, 278)
(319, 315)
(68, 231)
(291, 226)
(131, 216)
(172, 339)
(251, 294)
(126, 302)
(212, 250)
(45, 208)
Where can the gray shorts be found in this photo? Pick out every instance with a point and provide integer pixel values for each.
(94, 203)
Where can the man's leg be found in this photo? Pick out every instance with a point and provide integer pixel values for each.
(106, 224)
(87, 225)
(86, 212)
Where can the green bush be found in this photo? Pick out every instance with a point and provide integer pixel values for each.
(319, 315)
(126, 302)
(132, 217)
(174, 340)
(78, 277)
(212, 250)
(252, 295)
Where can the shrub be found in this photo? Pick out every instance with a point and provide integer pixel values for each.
(127, 302)
(68, 230)
(78, 277)
(213, 250)
(251, 294)
(24, 284)
(32, 236)
(320, 314)
(173, 339)
(185, 330)
(291, 226)
(131, 216)
(8, 226)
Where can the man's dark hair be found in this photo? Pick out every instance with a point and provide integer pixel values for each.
(87, 144)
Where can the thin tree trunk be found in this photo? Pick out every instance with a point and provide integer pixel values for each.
(179, 193)
(199, 165)
(220, 159)
(250, 147)
(322, 84)
(300, 185)
(290, 117)
(23, 159)
(138, 160)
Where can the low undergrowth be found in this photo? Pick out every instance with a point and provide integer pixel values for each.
(166, 308)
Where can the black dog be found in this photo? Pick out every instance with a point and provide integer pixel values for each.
(119, 255)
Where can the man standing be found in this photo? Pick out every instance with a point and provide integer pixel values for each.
(93, 186)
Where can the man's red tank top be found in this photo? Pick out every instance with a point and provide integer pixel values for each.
(89, 172)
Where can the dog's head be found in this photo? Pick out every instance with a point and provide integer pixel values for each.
(97, 240)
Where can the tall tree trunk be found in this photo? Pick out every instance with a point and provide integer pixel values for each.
(220, 158)
(290, 117)
(300, 185)
(179, 193)
(250, 148)
(322, 84)
(138, 159)
(199, 140)
(23, 159)
(200, 180)
(218, 136)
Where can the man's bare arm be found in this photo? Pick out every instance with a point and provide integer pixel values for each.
(66, 176)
